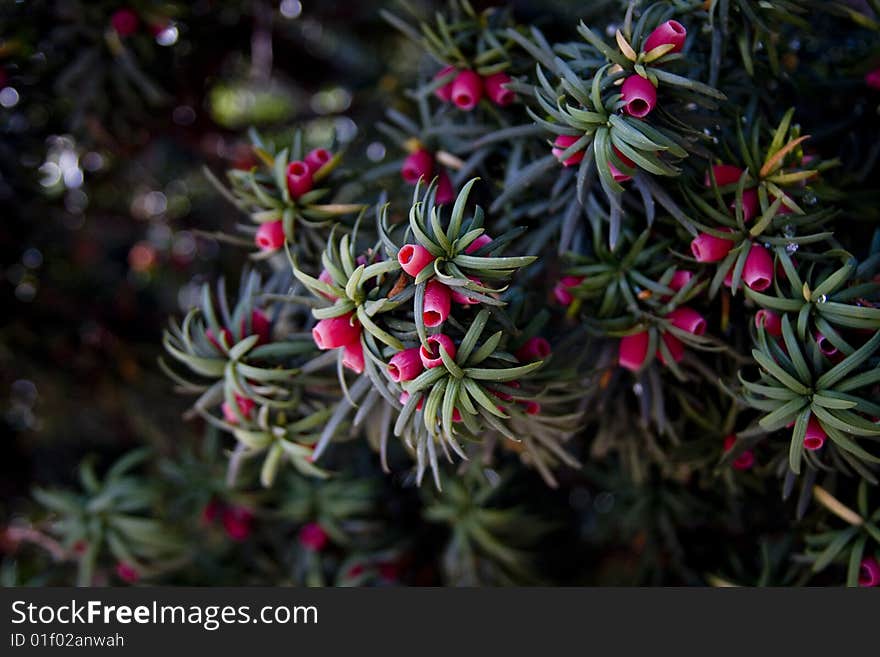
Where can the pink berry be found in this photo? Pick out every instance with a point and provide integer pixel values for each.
(680, 278)
(771, 322)
(437, 304)
(708, 248)
(561, 144)
(467, 90)
(245, 406)
(413, 258)
(478, 243)
(336, 332)
(445, 192)
(869, 569)
(750, 205)
(758, 270)
(561, 291)
(353, 357)
(225, 336)
(237, 521)
(125, 22)
(459, 296)
(260, 326)
(317, 158)
(633, 350)
(405, 365)
(616, 173)
(531, 407)
(313, 537)
(725, 174)
(419, 164)
(639, 96)
(675, 347)
(270, 236)
(669, 32)
(687, 319)
(815, 435)
(496, 91)
(299, 179)
(430, 355)
(535, 348)
(127, 572)
(825, 345)
(444, 93)
(742, 462)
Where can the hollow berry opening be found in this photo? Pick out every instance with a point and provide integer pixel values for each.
(297, 169)
(432, 318)
(405, 255)
(638, 107)
(813, 443)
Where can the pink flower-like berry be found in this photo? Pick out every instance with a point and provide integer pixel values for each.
(770, 321)
(299, 179)
(708, 248)
(438, 300)
(758, 270)
(124, 22)
(674, 346)
(260, 326)
(237, 522)
(561, 144)
(671, 32)
(270, 236)
(313, 537)
(245, 407)
(413, 258)
(405, 365)
(869, 572)
(326, 277)
(687, 319)
(459, 296)
(353, 356)
(725, 174)
(616, 173)
(750, 205)
(561, 291)
(826, 348)
(418, 164)
(467, 90)
(679, 279)
(872, 78)
(496, 91)
(815, 435)
(127, 572)
(531, 407)
(430, 355)
(445, 192)
(404, 397)
(225, 336)
(639, 96)
(535, 348)
(335, 332)
(633, 350)
(317, 158)
(478, 243)
(444, 92)
(742, 462)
